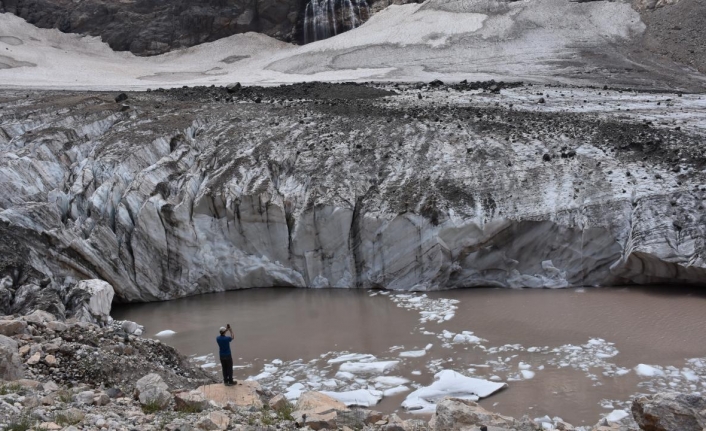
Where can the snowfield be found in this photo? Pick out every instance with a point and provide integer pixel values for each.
(549, 41)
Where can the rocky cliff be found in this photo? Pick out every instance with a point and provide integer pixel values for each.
(148, 27)
(187, 191)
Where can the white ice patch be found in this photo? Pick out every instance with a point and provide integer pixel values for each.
(389, 381)
(368, 367)
(648, 371)
(431, 310)
(261, 376)
(395, 391)
(449, 383)
(294, 392)
(616, 415)
(413, 354)
(352, 357)
(165, 333)
(360, 397)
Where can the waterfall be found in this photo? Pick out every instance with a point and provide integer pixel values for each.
(326, 18)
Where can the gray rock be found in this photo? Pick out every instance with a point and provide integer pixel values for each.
(192, 401)
(11, 367)
(151, 389)
(12, 327)
(670, 411)
(454, 414)
(90, 301)
(85, 397)
(40, 317)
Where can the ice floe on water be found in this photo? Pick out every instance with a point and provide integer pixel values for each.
(165, 333)
(689, 379)
(368, 367)
(648, 371)
(449, 383)
(364, 379)
(359, 397)
(616, 415)
(431, 310)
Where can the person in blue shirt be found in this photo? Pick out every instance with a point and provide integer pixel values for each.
(224, 352)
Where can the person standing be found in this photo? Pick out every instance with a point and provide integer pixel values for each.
(224, 352)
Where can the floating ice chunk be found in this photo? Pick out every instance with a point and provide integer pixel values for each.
(330, 383)
(466, 337)
(395, 391)
(390, 380)
(202, 358)
(294, 391)
(621, 371)
(648, 371)
(352, 357)
(262, 375)
(277, 362)
(209, 365)
(416, 373)
(413, 354)
(368, 367)
(690, 375)
(287, 379)
(165, 333)
(524, 366)
(527, 374)
(360, 397)
(448, 334)
(344, 375)
(429, 346)
(449, 383)
(616, 415)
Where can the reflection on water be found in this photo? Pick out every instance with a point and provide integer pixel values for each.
(546, 332)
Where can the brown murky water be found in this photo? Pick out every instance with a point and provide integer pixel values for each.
(545, 332)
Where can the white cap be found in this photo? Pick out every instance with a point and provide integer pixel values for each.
(223, 329)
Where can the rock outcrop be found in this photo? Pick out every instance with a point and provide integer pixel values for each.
(146, 27)
(189, 192)
(91, 301)
(670, 411)
(453, 414)
(10, 365)
(317, 411)
(151, 390)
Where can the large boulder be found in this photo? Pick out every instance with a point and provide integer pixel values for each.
(90, 301)
(317, 410)
(190, 401)
(455, 414)
(244, 394)
(670, 411)
(10, 363)
(151, 390)
(12, 327)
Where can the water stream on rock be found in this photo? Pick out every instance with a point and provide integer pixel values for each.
(574, 353)
(326, 18)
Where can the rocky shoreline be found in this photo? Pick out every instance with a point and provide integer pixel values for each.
(71, 375)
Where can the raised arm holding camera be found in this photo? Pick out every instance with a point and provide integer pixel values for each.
(224, 352)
